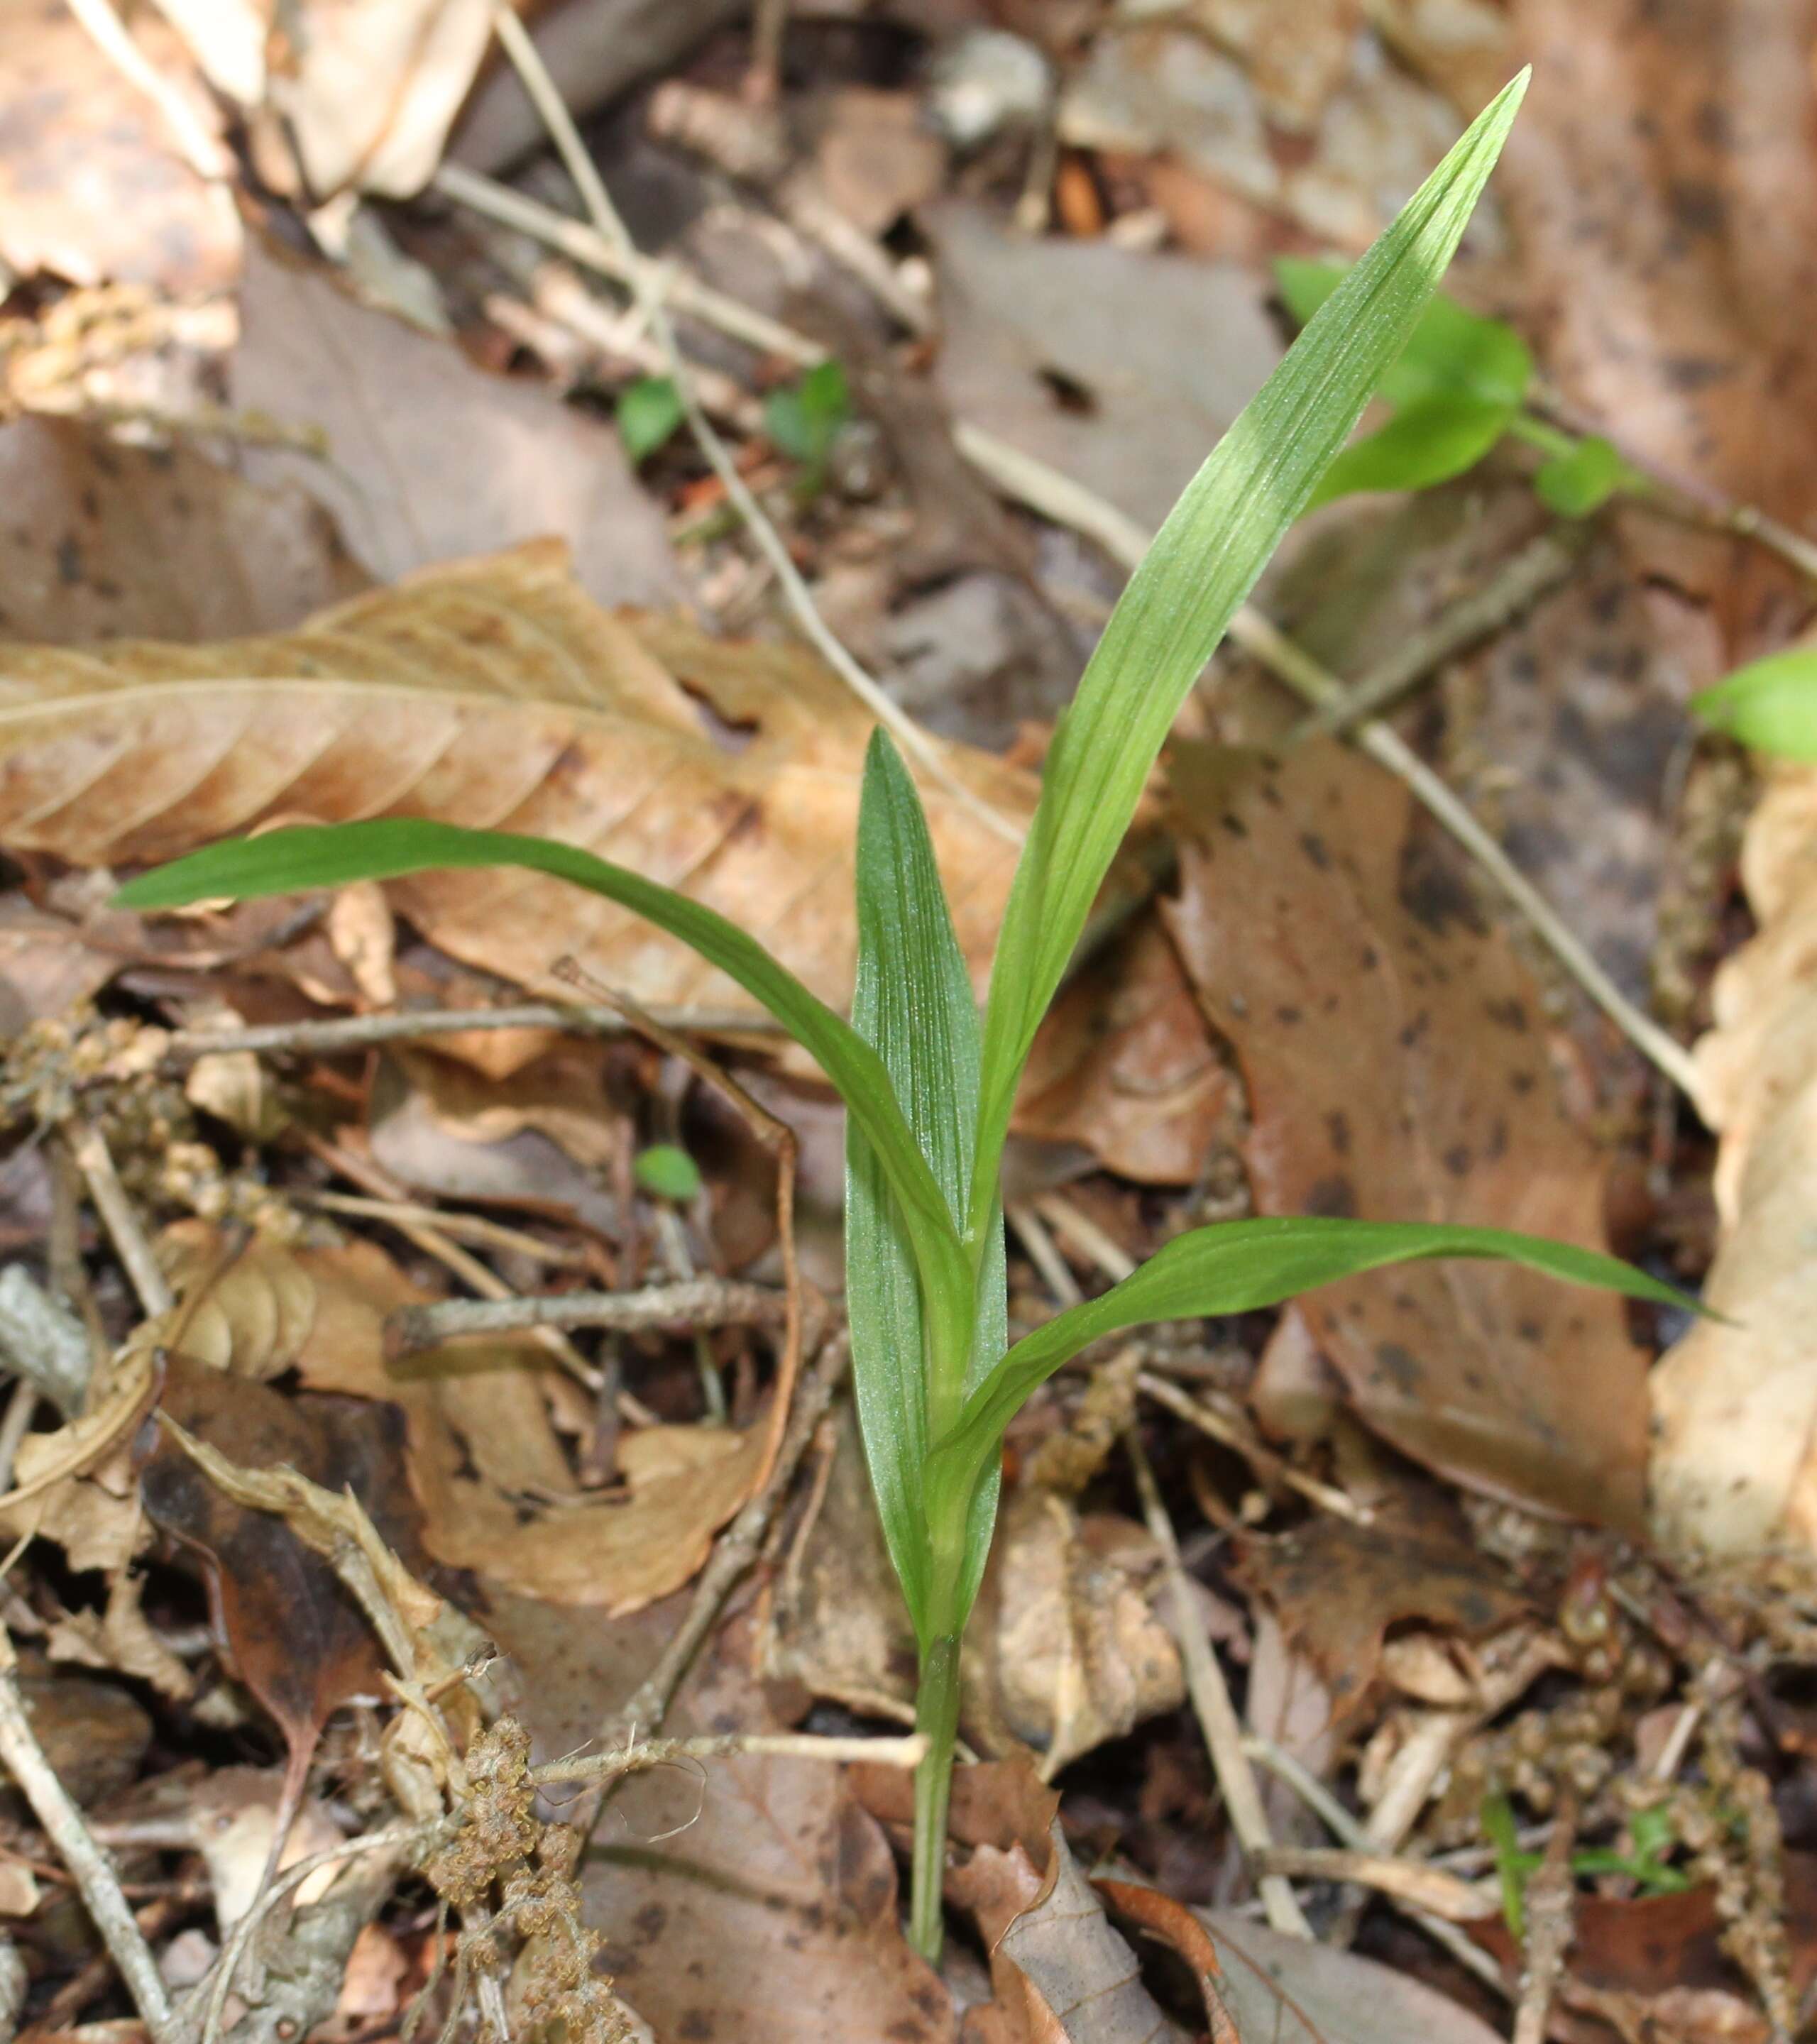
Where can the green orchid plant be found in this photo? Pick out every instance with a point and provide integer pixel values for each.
(928, 1083)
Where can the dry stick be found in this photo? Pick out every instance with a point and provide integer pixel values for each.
(1344, 1827)
(1551, 1923)
(360, 1032)
(89, 1148)
(89, 1866)
(908, 1751)
(737, 1548)
(515, 38)
(1540, 565)
(1069, 503)
(460, 1226)
(1211, 1705)
(1426, 1887)
(1269, 1466)
(699, 1302)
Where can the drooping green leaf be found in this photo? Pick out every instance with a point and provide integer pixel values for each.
(1451, 353)
(332, 855)
(667, 1172)
(803, 418)
(913, 1001)
(1769, 704)
(1200, 566)
(648, 412)
(1235, 1267)
(1583, 480)
(1423, 445)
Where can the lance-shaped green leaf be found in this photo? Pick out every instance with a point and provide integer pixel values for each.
(1202, 564)
(913, 1002)
(333, 854)
(1236, 1267)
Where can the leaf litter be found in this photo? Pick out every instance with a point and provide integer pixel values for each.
(287, 557)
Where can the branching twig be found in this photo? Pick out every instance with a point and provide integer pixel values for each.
(701, 1302)
(647, 286)
(1211, 1705)
(89, 1866)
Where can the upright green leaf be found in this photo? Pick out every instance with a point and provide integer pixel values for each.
(1451, 352)
(1202, 564)
(1769, 704)
(913, 1001)
(332, 855)
(1236, 1267)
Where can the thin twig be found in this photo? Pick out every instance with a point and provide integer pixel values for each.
(1269, 1466)
(516, 40)
(89, 1866)
(1425, 1887)
(586, 246)
(1059, 498)
(1211, 1705)
(734, 1551)
(704, 1302)
(204, 153)
(459, 1227)
(1541, 565)
(89, 1148)
(360, 1032)
(907, 1751)
(1551, 1923)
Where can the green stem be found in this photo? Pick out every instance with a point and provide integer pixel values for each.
(937, 1715)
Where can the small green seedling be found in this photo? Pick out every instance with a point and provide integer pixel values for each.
(1770, 704)
(666, 1172)
(803, 420)
(649, 412)
(929, 1085)
(1461, 386)
(1653, 1832)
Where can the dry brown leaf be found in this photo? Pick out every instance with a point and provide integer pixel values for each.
(1396, 1060)
(432, 456)
(1124, 1066)
(105, 541)
(1662, 193)
(93, 184)
(496, 1492)
(494, 692)
(1337, 1587)
(94, 1734)
(1734, 1453)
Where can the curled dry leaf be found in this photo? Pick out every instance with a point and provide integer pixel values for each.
(494, 692)
(1337, 1586)
(297, 1637)
(496, 1491)
(1734, 1470)
(1397, 1062)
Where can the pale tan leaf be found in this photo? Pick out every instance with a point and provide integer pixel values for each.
(1734, 1466)
(494, 693)
(497, 1494)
